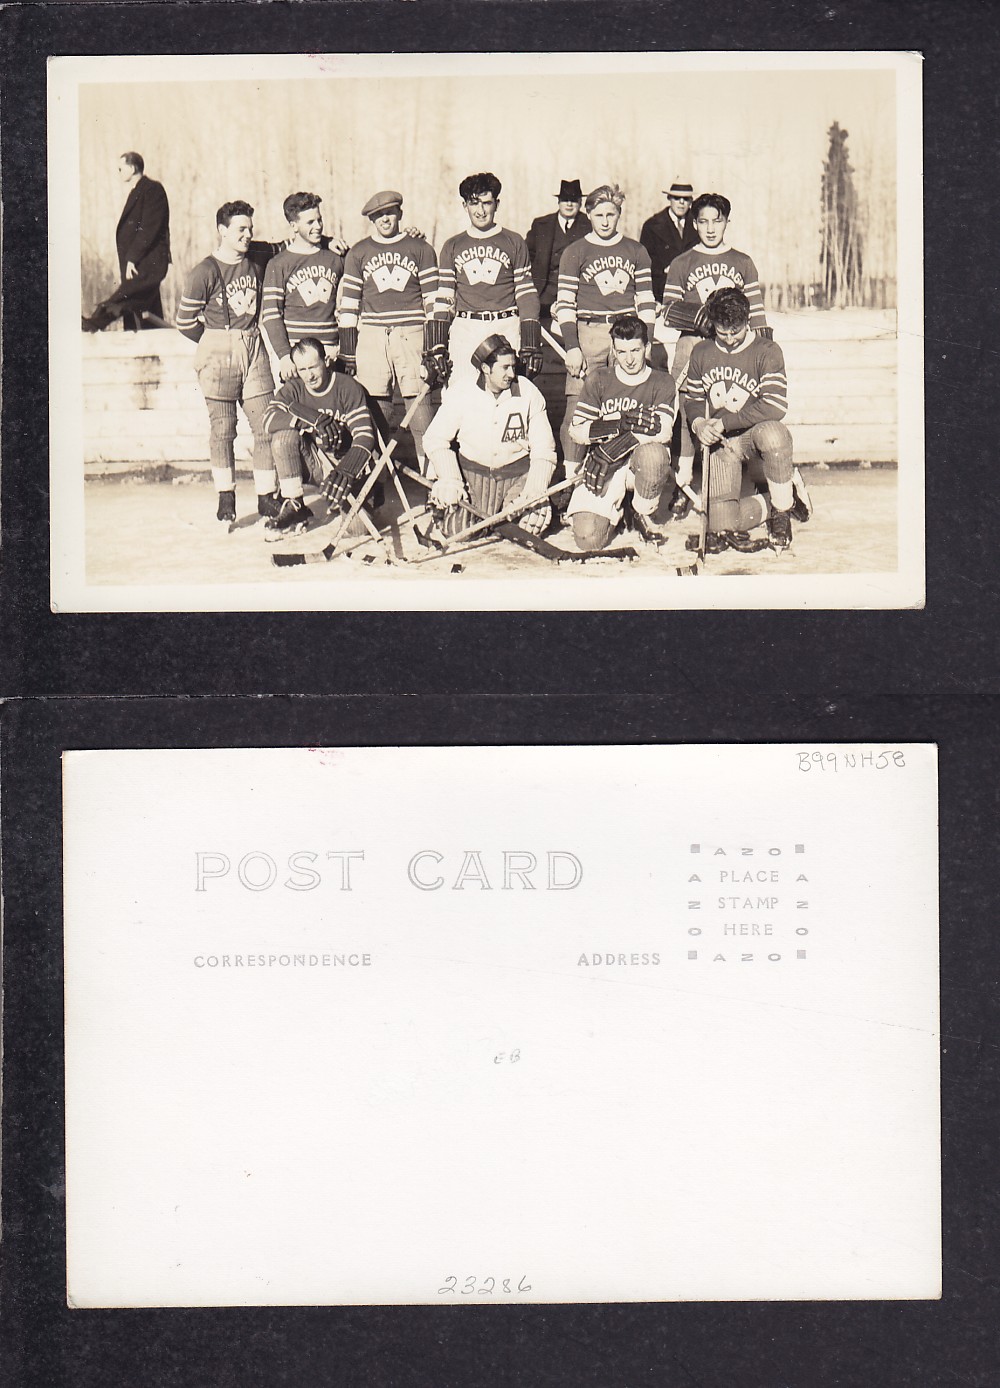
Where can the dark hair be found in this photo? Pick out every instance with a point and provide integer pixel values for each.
(133, 160)
(229, 210)
(722, 205)
(728, 308)
(628, 325)
(499, 347)
(297, 203)
(309, 344)
(477, 184)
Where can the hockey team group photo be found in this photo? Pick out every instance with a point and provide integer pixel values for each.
(515, 327)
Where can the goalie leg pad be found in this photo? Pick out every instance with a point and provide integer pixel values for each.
(491, 488)
(772, 443)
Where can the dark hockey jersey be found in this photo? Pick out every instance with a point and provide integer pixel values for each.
(607, 394)
(390, 282)
(742, 388)
(203, 305)
(603, 278)
(699, 272)
(300, 298)
(486, 273)
(343, 398)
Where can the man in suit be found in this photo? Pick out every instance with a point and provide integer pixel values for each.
(548, 238)
(143, 241)
(669, 232)
(550, 235)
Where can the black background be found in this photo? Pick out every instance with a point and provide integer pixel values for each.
(286, 679)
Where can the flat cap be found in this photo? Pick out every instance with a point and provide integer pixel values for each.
(382, 202)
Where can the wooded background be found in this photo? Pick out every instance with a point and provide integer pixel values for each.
(761, 138)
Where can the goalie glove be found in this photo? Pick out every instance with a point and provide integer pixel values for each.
(435, 363)
(346, 470)
(530, 356)
(349, 350)
(689, 318)
(642, 420)
(605, 460)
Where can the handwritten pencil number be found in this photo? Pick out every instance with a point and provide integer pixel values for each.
(446, 1288)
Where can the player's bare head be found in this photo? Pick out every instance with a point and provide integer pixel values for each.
(629, 336)
(234, 221)
(480, 193)
(728, 308)
(302, 213)
(312, 363)
(626, 326)
(728, 311)
(604, 207)
(130, 165)
(710, 213)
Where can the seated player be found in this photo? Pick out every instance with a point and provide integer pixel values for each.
(491, 442)
(735, 398)
(318, 417)
(624, 417)
(689, 280)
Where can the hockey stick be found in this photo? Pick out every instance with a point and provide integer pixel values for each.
(508, 530)
(283, 560)
(361, 496)
(514, 508)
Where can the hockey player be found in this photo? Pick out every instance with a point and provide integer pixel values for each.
(690, 279)
(388, 298)
(300, 283)
(735, 398)
(503, 439)
(219, 310)
(624, 417)
(601, 276)
(318, 416)
(484, 278)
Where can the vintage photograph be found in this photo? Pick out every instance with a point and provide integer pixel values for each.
(531, 331)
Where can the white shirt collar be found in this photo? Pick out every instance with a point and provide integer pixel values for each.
(482, 235)
(388, 240)
(596, 240)
(627, 380)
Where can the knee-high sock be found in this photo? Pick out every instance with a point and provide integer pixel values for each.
(264, 477)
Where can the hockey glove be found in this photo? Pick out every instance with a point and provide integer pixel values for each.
(602, 429)
(766, 333)
(689, 318)
(337, 484)
(435, 364)
(605, 460)
(349, 350)
(642, 420)
(530, 356)
(330, 433)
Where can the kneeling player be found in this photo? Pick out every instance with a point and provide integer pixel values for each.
(624, 417)
(319, 418)
(735, 398)
(491, 442)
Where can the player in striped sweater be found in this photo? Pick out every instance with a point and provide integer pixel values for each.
(735, 398)
(624, 416)
(388, 297)
(318, 417)
(485, 286)
(300, 284)
(601, 276)
(219, 310)
(689, 280)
